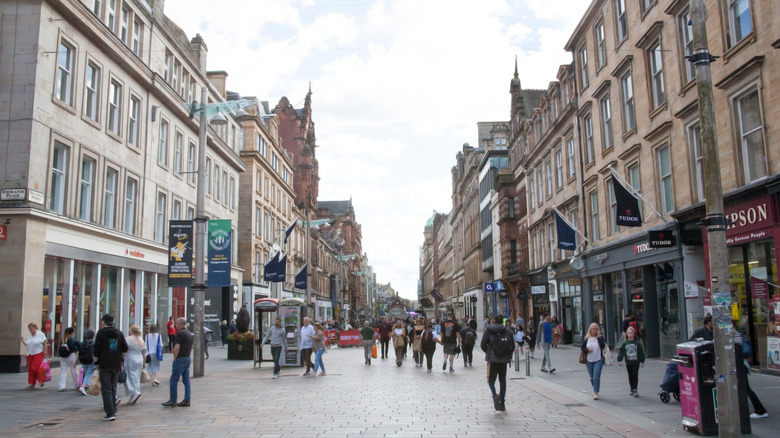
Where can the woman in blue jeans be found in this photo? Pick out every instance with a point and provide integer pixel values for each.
(593, 346)
(318, 347)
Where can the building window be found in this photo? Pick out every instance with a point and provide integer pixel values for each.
(686, 40)
(513, 251)
(657, 75)
(535, 251)
(558, 169)
(85, 189)
(601, 44)
(620, 17)
(548, 177)
(666, 188)
(224, 185)
(740, 24)
(193, 86)
(65, 63)
(190, 213)
(178, 143)
(97, 7)
(627, 92)
(168, 66)
(594, 215)
(584, 67)
(59, 178)
(175, 76)
(751, 136)
(134, 118)
(589, 151)
(570, 153)
(551, 239)
(131, 192)
(606, 123)
(111, 15)
(159, 218)
(138, 29)
(191, 164)
(162, 145)
(124, 24)
(531, 191)
(613, 227)
(109, 198)
(232, 194)
(511, 208)
(694, 143)
(92, 91)
(542, 246)
(635, 181)
(176, 213)
(114, 105)
(208, 175)
(540, 185)
(257, 221)
(185, 78)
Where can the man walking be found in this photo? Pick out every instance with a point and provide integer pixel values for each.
(544, 333)
(450, 334)
(307, 331)
(705, 331)
(498, 345)
(469, 337)
(368, 336)
(278, 337)
(384, 336)
(182, 346)
(109, 355)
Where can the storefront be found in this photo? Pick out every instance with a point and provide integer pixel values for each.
(475, 304)
(496, 300)
(569, 291)
(539, 296)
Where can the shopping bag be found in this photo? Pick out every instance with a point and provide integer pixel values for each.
(144, 376)
(94, 387)
(44, 371)
(373, 352)
(609, 360)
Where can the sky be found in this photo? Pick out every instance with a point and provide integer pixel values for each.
(397, 89)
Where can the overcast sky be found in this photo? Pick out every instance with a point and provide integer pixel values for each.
(398, 87)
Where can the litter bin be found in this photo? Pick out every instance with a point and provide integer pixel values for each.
(698, 396)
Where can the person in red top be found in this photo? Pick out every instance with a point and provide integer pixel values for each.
(384, 336)
(171, 333)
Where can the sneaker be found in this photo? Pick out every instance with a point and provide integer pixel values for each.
(552, 370)
(109, 418)
(117, 401)
(595, 396)
(306, 374)
(183, 404)
(496, 402)
(544, 370)
(444, 366)
(322, 373)
(169, 404)
(501, 405)
(82, 391)
(756, 416)
(275, 376)
(636, 394)
(452, 370)
(135, 399)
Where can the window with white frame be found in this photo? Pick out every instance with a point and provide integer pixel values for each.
(584, 67)
(613, 226)
(275, 161)
(59, 178)
(175, 76)
(540, 185)
(655, 58)
(751, 135)
(134, 117)
(590, 153)
(168, 66)
(542, 245)
(193, 86)
(740, 23)
(620, 18)
(551, 239)
(531, 192)
(176, 212)
(606, 123)
(665, 186)
(162, 143)
(594, 215)
(131, 194)
(697, 157)
(124, 24)
(601, 45)
(111, 15)
(191, 163)
(92, 91)
(109, 198)
(266, 187)
(190, 213)
(257, 220)
(558, 169)
(535, 250)
(627, 93)
(686, 41)
(258, 181)
(548, 176)
(258, 265)
(138, 29)
(97, 8)
(66, 60)
(232, 194)
(216, 182)
(114, 107)
(178, 144)
(86, 202)
(634, 180)
(570, 154)
(224, 185)
(185, 78)
(159, 218)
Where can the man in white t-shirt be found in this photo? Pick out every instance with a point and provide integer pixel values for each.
(307, 331)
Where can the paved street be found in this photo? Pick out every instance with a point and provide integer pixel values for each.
(356, 400)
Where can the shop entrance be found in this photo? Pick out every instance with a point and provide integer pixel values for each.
(668, 308)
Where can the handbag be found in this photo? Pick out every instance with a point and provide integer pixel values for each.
(373, 352)
(609, 360)
(144, 376)
(148, 358)
(94, 388)
(583, 357)
(122, 378)
(159, 348)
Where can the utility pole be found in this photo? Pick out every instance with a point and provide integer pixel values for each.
(716, 222)
(199, 288)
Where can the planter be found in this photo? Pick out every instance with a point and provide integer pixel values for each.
(240, 350)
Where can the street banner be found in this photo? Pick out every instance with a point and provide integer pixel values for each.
(289, 230)
(437, 295)
(300, 278)
(628, 214)
(661, 239)
(180, 253)
(349, 337)
(281, 269)
(567, 236)
(219, 252)
(270, 267)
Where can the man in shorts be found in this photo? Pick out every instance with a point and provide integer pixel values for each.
(450, 339)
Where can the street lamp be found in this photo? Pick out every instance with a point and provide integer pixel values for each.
(199, 287)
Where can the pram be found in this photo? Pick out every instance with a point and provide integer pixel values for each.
(670, 384)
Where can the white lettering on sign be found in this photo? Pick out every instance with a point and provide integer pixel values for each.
(745, 237)
(642, 247)
(12, 194)
(749, 216)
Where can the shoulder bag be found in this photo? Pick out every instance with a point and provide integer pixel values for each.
(609, 360)
(583, 357)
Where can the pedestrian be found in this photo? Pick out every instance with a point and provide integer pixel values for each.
(318, 347)
(634, 353)
(544, 337)
(498, 345)
(223, 332)
(468, 338)
(519, 321)
(520, 340)
(530, 338)
(153, 342)
(307, 331)
(278, 337)
(409, 335)
(171, 326)
(180, 368)
(624, 326)
(450, 339)
(384, 336)
(428, 341)
(594, 345)
(705, 331)
(135, 363)
(36, 345)
(206, 339)
(759, 411)
(369, 337)
(110, 349)
(68, 350)
(417, 331)
(87, 360)
(233, 327)
(557, 331)
(398, 334)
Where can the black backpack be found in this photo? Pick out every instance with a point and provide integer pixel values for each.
(63, 351)
(427, 338)
(470, 338)
(85, 353)
(502, 344)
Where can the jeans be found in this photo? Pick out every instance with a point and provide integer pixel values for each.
(546, 360)
(108, 378)
(497, 370)
(306, 357)
(180, 368)
(385, 347)
(68, 364)
(368, 346)
(633, 375)
(428, 352)
(318, 365)
(276, 353)
(89, 370)
(594, 371)
(467, 353)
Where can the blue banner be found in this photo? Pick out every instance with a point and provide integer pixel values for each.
(300, 278)
(567, 236)
(219, 252)
(270, 268)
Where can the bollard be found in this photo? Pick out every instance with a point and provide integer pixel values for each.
(517, 359)
(527, 361)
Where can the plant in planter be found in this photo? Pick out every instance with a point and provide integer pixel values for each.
(241, 343)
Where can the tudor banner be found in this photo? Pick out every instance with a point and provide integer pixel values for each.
(219, 252)
(628, 214)
(180, 253)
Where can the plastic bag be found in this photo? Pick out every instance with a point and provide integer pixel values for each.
(44, 372)
(609, 360)
(373, 352)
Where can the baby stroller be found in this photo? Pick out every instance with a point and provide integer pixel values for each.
(670, 384)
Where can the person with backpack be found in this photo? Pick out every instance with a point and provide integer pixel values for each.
(544, 338)
(428, 340)
(498, 345)
(450, 338)
(68, 351)
(87, 360)
(109, 354)
(469, 338)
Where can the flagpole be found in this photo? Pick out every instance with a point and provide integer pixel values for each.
(563, 218)
(634, 192)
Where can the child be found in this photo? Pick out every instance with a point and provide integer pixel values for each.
(634, 354)
(530, 337)
(520, 341)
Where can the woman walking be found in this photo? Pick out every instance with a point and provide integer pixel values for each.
(36, 345)
(428, 340)
(398, 335)
(153, 343)
(634, 353)
(318, 346)
(593, 345)
(223, 332)
(68, 362)
(419, 328)
(134, 363)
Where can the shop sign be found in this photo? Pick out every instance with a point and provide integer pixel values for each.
(575, 282)
(134, 253)
(747, 218)
(601, 258)
(758, 288)
(538, 290)
(550, 274)
(3, 232)
(691, 290)
(642, 247)
(661, 239)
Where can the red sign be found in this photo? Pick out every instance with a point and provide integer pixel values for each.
(758, 288)
(749, 220)
(47, 326)
(349, 337)
(3, 232)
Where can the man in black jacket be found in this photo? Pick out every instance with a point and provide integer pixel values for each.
(497, 338)
(109, 350)
(705, 331)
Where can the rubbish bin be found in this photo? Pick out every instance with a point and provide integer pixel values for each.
(697, 374)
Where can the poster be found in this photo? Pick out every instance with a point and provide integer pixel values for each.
(180, 253)
(219, 252)
(773, 353)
